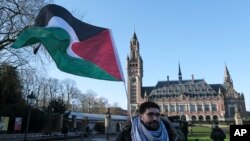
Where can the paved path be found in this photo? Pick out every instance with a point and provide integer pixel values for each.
(100, 137)
(36, 137)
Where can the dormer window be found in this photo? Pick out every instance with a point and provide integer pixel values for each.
(134, 42)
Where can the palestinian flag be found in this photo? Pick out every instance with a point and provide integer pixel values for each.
(76, 47)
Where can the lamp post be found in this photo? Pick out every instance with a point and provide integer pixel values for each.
(107, 123)
(51, 110)
(30, 100)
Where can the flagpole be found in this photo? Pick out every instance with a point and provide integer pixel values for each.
(128, 99)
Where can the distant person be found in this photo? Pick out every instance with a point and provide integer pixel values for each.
(65, 130)
(217, 134)
(180, 135)
(89, 130)
(184, 128)
(148, 126)
(191, 130)
(118, 127)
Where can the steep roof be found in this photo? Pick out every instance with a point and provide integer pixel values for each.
(187, 87)
(216, 87)
(146, 90)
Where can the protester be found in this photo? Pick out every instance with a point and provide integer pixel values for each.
(148, 125)
(65, 130)
(217, 133)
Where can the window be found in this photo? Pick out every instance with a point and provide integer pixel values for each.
(214, 107)
(172, 108)
(166, 108)
(232, 111)
(192, 108)
(207, 109)
(182, 108)
(199, 108)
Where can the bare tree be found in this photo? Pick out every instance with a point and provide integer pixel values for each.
(88, 101)
(68, 89)
(39, 91)
(100, 105)
(10, 85)
(28, 79)
(53, 87)
(115, 105)
(16, 15)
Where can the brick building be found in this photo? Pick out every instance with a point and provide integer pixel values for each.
(194, 99)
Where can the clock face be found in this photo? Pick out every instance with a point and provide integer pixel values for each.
(133, 79)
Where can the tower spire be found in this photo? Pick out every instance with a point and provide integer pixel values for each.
(227, 77)
(134, 36)
(179, 74)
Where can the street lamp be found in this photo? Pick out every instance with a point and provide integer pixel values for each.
(51, 110)
(30, 100)
(107, 123)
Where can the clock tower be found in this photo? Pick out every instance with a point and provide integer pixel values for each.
(135, 74)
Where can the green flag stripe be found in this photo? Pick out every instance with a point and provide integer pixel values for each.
(56, 41)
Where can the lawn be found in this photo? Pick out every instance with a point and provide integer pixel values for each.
(203, 134)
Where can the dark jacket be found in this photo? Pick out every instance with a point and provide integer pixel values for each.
(126, 136)
(217, 134)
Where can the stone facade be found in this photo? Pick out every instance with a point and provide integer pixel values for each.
(194, 99)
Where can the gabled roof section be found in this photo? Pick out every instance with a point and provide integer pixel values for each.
(146, 90)
(216, 87)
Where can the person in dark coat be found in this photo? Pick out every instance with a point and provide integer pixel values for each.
(148, 125)
(184, 128)
(217, 134)
(65, 130)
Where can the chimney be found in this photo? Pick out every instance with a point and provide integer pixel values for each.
(192, 77)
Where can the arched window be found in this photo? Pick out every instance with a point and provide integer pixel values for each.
(215, 118)
(201, 118)
(194, 118)
(208, 118)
